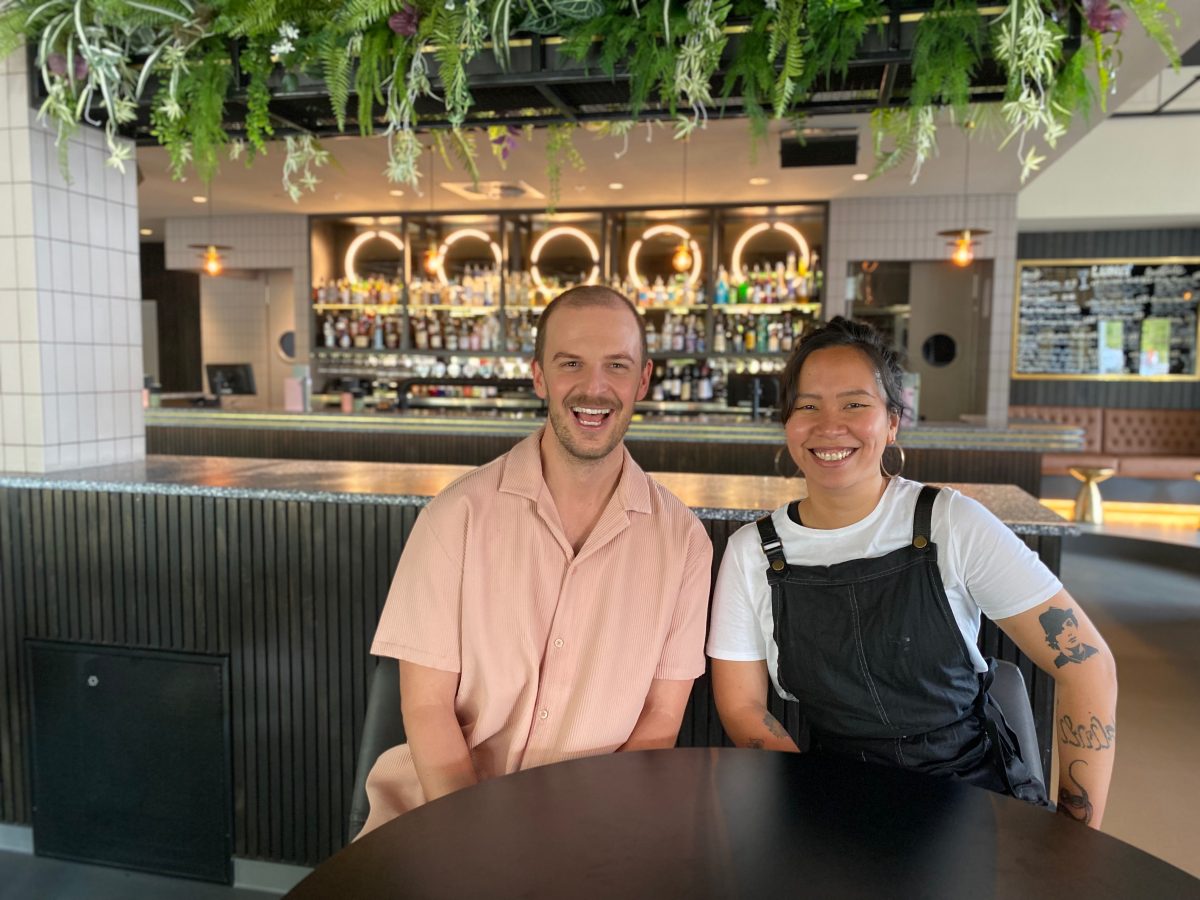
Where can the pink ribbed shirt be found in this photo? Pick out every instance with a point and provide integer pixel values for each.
(556, 650)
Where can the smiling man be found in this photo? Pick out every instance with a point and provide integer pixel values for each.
(551, 604)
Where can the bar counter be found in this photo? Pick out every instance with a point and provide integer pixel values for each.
(715, 444)
(280, 568)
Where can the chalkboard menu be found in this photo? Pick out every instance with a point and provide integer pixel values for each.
(1107, 320)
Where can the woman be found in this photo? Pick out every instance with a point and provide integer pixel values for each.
(862, 602)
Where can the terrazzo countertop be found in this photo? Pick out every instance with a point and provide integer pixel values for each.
(1021, 436)
(738, 498)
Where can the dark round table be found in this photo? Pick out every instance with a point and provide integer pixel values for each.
(702, 823)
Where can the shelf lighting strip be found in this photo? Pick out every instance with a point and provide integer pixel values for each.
(352, 250)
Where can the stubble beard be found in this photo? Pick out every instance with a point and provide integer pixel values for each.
(561, 420)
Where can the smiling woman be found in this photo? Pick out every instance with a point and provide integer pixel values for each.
(898, 574)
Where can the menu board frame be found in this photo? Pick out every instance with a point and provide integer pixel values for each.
(1023, 264)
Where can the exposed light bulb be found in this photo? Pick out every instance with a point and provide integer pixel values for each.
(431, 260)
(212, 261)
(681, 261)
(964, 251)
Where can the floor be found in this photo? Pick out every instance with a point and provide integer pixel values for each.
(1150, 616)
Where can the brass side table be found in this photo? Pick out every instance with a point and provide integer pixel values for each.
(1089, 506)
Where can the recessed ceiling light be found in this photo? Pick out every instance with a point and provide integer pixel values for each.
(759, 181)
(145, 232)
(860, 176)
(396, 192)
(615, 186)
(199, 199)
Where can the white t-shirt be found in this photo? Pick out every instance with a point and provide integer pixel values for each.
(985, 568)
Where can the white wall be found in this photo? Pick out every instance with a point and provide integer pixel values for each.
(70, 288)
(906, 228)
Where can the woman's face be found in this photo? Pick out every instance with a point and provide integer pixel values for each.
(840, 424)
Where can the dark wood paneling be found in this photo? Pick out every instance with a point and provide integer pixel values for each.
(1156, 242)
(178, 297)
(290, 592)
(970, 466)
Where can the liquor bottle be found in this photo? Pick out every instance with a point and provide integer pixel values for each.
(721, 294)
(660, 292)
(773, 337)
(328, 331)
(651, 338)
(377, 332)
(719, 340)
(685, 387)
(761, 337)
(748, 334)
(677, 336)
(704, 386)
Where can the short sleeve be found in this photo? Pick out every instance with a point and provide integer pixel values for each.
(682, 657)
(1002, 575)
(422, 615)
(735, 632)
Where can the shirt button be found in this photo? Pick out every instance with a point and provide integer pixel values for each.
(544, 714)
(558, 642)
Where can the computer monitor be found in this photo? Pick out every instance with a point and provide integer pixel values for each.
(740, 388)
(230, 378)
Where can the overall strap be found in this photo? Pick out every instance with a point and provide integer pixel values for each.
(771, 544)
(923, 517)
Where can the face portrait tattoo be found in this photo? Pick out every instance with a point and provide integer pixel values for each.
(1062, 634)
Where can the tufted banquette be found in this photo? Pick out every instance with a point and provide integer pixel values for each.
(1137, 443)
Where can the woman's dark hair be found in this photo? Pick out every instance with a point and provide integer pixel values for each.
(841, 332)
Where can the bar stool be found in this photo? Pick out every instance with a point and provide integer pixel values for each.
(1089, 507)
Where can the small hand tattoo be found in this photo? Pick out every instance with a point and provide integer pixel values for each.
(1093, 736)
(1075, 806)
(755, 744)
(774, 727)
(1062, 634)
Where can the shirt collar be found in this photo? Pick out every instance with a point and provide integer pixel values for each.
(523, 475)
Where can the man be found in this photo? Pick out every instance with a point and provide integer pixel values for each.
(550, 604)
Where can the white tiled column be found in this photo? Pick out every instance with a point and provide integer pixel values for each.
(70, 312)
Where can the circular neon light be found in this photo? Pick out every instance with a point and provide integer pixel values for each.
(564, 231)
(636, 277)
(453, 238)
(787, 229)
(352, 250)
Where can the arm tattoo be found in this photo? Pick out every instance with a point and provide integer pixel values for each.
(1075, 806)
(774, 727)
(755, 743)
(1095, 735)
(1062, 634)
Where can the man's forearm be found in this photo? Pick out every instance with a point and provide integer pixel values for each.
(655, 730)
(1086, 731)
(439, 751)
(753, 726)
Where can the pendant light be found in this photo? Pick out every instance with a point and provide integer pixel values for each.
(681, 259)
(432, 257)
(963, 241)
(210, 259)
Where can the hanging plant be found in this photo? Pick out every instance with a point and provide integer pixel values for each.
(106, 54)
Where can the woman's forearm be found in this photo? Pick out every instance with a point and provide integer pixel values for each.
(1086, 731)
(752, 725)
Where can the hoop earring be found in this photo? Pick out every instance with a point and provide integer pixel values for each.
(884, 472)
(779, 459)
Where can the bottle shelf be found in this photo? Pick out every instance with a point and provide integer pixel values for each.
(767, 308)
(454, 307)
(365, 307)
(673, 307)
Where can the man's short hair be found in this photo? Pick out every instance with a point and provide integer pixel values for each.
(581, 296)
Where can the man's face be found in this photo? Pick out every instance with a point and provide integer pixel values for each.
(1068, 638)
(591, 376)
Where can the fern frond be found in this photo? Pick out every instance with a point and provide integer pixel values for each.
(335, 64)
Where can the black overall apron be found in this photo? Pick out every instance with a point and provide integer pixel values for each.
(871, 650)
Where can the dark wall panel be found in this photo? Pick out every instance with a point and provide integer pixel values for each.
(178, 297)
(1108, 245)
(290, 593)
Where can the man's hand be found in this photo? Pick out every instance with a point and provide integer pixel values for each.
(435, 738)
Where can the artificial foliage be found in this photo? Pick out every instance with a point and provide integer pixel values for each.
(99, 59)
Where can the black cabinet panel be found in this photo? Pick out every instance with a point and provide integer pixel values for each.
(130, 758)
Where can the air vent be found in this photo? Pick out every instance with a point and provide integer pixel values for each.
(819, 147)
(494, 190)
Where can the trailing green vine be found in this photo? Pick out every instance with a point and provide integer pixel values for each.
(386, 60)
